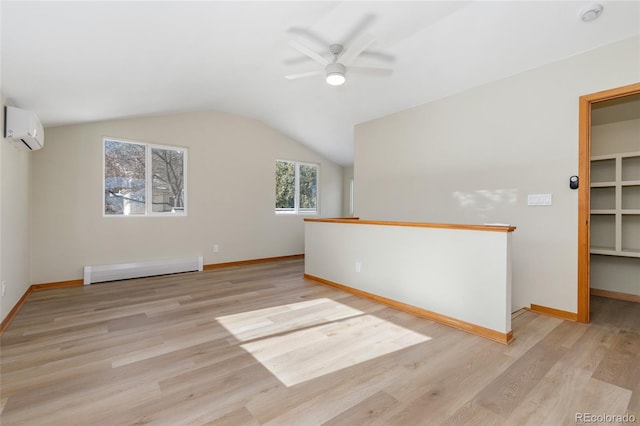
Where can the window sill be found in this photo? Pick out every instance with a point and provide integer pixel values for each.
(296, 213)
(146, 215)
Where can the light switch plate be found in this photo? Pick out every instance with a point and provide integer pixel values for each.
(539, 200)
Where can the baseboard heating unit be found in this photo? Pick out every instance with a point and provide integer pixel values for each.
(123, 271)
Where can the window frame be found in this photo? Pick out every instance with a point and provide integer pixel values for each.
(148, 178)
(296, 209)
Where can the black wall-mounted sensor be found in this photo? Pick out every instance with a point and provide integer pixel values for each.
(573, 182)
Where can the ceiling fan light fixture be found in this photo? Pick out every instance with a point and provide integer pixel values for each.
(335, 79)
(335, 74)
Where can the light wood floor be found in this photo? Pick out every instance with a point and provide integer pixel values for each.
(260, 345)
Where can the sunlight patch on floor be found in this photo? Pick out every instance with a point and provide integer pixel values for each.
(306, 340)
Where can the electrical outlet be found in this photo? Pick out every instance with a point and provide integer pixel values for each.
(358, 266)
(4, 288)
(216, 248)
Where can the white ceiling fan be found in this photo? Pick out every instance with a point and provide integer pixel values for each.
(336, 68)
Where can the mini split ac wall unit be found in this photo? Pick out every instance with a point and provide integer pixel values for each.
(23, 128)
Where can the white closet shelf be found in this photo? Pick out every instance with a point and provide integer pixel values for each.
(615, 212)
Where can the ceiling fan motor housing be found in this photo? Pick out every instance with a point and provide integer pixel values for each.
(335, 49)
(335, 68)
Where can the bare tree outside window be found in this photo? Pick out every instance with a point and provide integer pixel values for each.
(124, 178)
(167, 169)
(127, 180)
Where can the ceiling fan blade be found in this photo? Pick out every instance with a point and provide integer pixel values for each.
(370, 70)
(377, 55)
(355, 49)
(362, 25)
(303, 75)
(310, 53)
(297, 60)
(309, 35)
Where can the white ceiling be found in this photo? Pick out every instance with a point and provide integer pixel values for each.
(74, 62)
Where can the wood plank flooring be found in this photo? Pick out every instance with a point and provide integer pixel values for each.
(258, 344)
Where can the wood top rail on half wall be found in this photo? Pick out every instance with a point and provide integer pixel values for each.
(357, 221)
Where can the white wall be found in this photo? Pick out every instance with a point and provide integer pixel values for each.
(615, 273)
(474, 157)
(231, 195)
(347, 175)
(15, 208)
(613, 138)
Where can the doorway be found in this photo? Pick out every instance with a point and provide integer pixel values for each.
(584, 191)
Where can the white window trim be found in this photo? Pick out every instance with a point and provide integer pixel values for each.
(296, 209)
(148, 186)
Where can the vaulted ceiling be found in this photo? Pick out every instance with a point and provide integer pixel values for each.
(75, 62)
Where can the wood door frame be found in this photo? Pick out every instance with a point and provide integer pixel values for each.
(584, 169)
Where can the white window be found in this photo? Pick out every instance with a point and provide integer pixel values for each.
(296, 187)
(143, 179)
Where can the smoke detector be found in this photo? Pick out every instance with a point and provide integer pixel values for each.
(591, 12)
